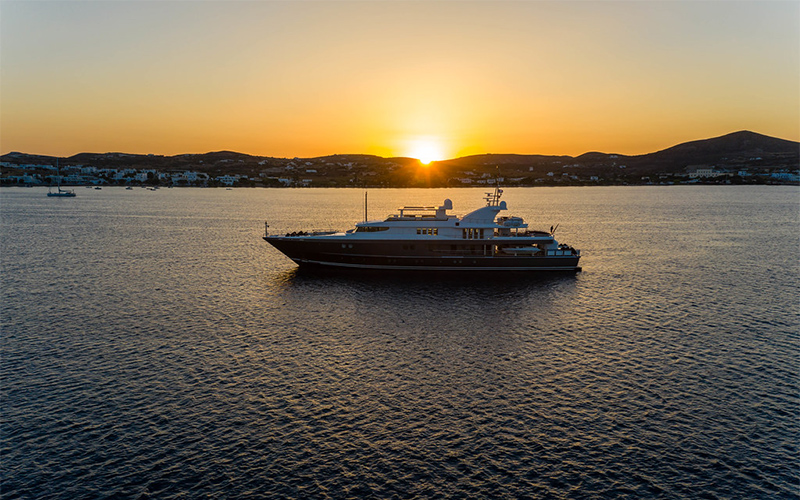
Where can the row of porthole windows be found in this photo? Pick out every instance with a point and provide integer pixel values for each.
(430, 231)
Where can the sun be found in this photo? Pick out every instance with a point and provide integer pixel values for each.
(426, 150)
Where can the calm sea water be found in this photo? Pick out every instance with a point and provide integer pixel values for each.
(153, 346)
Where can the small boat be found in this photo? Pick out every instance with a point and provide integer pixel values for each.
(428, 238)
(60, 193)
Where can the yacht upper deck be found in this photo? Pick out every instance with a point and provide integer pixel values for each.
(412, 213)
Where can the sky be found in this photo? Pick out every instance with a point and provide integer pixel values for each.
(432, 79)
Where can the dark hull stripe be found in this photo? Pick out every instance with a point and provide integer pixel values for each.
(459, 267)
(401, 255)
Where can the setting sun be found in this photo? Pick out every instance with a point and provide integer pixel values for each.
(426, 150)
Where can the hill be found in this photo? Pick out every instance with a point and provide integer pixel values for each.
(734, 149)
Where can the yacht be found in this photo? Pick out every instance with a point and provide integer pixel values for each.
(429, 238)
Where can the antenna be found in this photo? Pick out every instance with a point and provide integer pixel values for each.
(493, 199)
(365, 207)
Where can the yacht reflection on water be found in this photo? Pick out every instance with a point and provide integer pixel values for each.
(459, 282)
(454, 306)
(429, 239)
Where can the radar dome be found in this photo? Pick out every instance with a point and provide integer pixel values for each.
(448, 204)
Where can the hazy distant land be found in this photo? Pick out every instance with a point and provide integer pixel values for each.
(738, 158)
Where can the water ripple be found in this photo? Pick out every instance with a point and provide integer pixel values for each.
(182, 358)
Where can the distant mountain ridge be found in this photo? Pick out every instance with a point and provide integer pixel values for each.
(736, 143)
(742, 151)
(717, 149)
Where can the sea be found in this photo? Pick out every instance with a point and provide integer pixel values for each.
(154, 346)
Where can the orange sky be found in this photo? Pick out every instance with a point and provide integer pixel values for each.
(441, 79)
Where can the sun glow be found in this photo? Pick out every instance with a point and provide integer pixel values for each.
(426, 150)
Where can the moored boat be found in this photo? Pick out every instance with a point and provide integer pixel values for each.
(60, 193)
(429, 238)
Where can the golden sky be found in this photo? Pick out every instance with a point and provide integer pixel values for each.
(393, 78)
